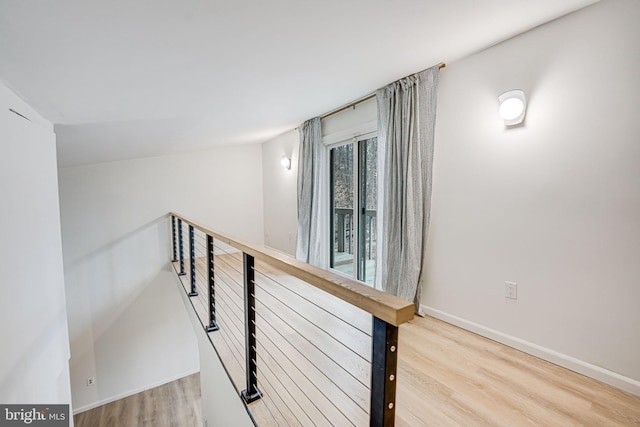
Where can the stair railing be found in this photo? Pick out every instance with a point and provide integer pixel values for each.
(388, 312)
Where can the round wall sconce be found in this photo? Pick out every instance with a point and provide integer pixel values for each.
(513, 106)
(285, 162)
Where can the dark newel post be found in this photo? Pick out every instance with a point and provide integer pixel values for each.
(251, 393)
(384, 364)
(213, 326)
(182, 273)
(173, 235)
(192, 262)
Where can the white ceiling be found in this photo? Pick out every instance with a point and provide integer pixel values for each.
(135, 78)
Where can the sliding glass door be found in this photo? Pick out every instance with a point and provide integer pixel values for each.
(353, 208)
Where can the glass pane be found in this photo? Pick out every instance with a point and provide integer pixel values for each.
(342, 199)
(369, 201)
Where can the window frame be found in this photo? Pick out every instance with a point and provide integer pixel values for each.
(357, 210)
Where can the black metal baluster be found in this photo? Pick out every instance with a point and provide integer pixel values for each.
(251, 393)
(182, 272)
(173, 236)
(192, 262)
(384, 364)
(213, 326)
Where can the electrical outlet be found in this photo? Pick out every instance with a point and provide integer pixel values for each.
(91, 381)
(511, 290)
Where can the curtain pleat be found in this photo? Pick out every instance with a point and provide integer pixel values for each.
(406, 124)
(311, 242)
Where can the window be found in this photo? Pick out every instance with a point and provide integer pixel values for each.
(353, 174)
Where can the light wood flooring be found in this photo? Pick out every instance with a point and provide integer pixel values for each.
(452, 377)
(176, 404)
(307, 375)
(447, 376)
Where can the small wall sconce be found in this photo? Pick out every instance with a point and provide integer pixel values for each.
(285, 162)
(513, 107)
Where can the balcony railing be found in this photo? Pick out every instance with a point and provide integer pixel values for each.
(302, 345)
(342, 256)
(345, 232)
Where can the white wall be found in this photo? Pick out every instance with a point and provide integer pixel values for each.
(553, 205)
(125, 327)
(34, 359)
(221, 403)
(280, 192)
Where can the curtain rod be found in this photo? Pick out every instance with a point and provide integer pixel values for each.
(361, 100)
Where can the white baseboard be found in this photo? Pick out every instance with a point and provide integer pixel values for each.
(596, 372)
(132, 392)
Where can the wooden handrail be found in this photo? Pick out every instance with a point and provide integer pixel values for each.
(382, 305)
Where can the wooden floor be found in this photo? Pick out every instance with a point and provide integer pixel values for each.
(307, 376)
(452, 377)
(176, 404)
(447, 376)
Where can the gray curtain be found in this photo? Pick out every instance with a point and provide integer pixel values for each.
(406, 122)
(312, 220)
